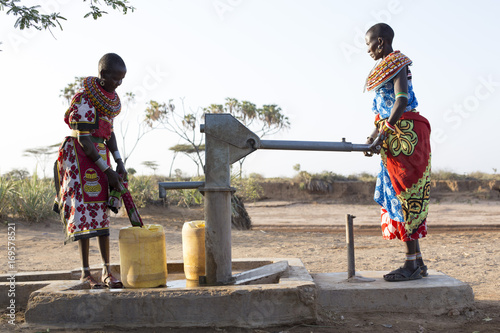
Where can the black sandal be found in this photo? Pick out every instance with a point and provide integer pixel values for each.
(424, 271)
(403, 274)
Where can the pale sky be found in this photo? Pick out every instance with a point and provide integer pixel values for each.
(308, 57)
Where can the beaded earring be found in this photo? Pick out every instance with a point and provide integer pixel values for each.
(101, 82)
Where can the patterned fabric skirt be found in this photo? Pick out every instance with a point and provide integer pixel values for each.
(403, 185)
(82, 191)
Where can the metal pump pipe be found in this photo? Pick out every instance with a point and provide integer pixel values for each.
(163, 186)
(312, 145)
(227, 141)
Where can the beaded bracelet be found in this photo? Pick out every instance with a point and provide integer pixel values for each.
(101, 164)
(402, 94)
(388, 128)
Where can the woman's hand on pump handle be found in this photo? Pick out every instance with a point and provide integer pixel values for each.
(375, 144)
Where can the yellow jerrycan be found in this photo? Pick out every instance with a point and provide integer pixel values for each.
(193, 249)
(143, 258)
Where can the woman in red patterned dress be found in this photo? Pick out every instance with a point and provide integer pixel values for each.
(83, 169)
(403, 184)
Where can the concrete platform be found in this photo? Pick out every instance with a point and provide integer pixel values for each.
(297, 297)
(436, 294)
(64, 304)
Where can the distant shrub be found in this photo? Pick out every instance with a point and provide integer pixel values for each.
(248, 189)
(478, 175)
(366, 177)
(145, 191)
(444, 174)
(323, 182)
(6, 200)
(33, 198)
(256, 176)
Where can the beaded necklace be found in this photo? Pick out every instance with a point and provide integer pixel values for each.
(386, 70)
(105, 105)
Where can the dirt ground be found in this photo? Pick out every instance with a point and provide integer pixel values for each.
(471, 256)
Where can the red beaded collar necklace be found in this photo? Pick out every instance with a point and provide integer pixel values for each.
(106, 103)
(386, 70)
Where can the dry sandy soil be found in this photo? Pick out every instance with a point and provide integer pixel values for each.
(469, 255)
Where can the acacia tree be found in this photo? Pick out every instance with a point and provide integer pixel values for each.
(263, 121)
(190, 151)
(71, 89)
(17, 174)
(153, 165)
(30, 17)
(184, 124)
(42, 155)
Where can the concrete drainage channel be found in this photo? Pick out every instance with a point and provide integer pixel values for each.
(294, 297)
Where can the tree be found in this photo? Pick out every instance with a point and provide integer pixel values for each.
(263, 121)
(30, 17)
(123, 124)
(71, 89)
(190, 151)
(42, 155)
(17, 174)
(184, 124)
(153, 165)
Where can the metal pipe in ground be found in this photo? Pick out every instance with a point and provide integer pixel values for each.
(349, 238)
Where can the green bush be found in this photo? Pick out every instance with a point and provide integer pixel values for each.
(323, 182)
(445, 174)
(144, 190)
(366, 177)
(248, 189)
(33, 198)
(186, 198)
(6, 191)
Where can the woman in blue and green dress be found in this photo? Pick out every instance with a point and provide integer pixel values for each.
(403, 183)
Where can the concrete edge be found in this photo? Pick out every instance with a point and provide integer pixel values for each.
(367, 227)
(436, 294)
(20, 292)
(292, 300)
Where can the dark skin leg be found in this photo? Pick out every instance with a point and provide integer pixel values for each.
(411, 248)
(420, 261)
(107, 278)
(104, 249)
(83, 246)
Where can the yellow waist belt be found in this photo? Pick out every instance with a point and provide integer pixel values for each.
(75, 133)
